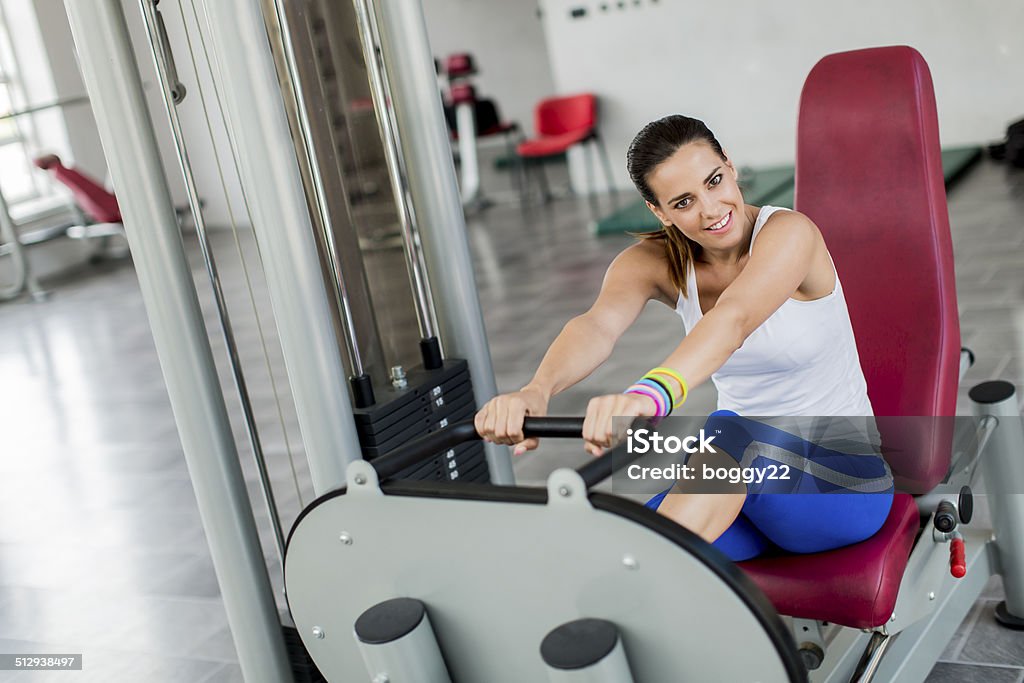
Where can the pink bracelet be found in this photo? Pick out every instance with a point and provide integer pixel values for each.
(659, 401)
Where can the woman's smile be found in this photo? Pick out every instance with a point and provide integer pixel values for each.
(721, 226)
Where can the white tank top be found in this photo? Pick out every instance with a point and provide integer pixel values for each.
(801, 361)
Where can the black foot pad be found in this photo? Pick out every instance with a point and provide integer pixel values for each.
(1008, 620)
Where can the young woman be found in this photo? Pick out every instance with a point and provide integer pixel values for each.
(765, 319)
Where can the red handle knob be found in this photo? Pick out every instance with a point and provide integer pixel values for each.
(957, 558)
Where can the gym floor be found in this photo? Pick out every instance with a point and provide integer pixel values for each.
(101, 548)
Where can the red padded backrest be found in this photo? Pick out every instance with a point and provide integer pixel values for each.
(460, 65)
(557, 115)
(869, 174)
(99, 204)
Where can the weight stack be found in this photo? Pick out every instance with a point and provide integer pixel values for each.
(303, 668)
(432, 400)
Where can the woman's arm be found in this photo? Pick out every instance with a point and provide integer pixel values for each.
(587, 340)
(583, 345)
(779, 265)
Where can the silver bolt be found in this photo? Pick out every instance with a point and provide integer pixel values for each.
(360, 479)
(629, 562)
(564, 491)
(398, 380)
(345, 538)
(931, 596)
(318, 633)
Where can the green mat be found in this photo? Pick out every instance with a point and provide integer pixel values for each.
(505, 161)
(773, 186)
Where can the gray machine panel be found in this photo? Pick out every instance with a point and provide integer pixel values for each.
(518, 568)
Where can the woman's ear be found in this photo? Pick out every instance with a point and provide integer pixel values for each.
(659, 214)
(729, 165)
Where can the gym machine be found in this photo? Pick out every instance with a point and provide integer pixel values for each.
(294, 208)
(563, 583)
(14, 239)
(466, 581)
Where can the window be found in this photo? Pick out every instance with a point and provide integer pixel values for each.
(20, 181)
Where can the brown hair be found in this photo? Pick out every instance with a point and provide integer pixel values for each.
(656, 142)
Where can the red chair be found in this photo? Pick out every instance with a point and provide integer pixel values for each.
(868, 148)
(98, 204)
(560, 123)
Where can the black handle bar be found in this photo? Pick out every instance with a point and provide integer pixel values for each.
(462, 432)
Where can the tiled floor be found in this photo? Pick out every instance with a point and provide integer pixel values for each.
(101, 547)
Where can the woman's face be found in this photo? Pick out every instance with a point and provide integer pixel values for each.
(697, 192)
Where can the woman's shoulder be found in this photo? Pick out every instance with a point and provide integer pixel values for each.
(785, 225)
(791, 232)
(776, 215)
(646, 251)
(645, 263)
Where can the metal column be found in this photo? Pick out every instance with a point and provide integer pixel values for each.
(1003, 471)
(9, 238)
(271, 179)
(435, 193)
(112, 79)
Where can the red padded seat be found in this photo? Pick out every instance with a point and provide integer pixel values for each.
(552, 144)
(869, 173)
(853, 586)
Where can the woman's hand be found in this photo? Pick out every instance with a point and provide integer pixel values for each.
(501, 419)
(598, 428)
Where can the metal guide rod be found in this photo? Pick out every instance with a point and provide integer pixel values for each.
(10, 245)
(167, 70)
(320, 199)
(231, 215)
(435, 192)
(168, 82)
(9, 237)
(380, 90)
(271, 179)
(112, 79)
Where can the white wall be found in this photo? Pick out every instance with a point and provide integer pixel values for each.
(85, 149)
(82, 144)
(506, 39)
(740, 65)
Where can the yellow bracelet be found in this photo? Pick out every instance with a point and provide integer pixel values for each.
(669, 372)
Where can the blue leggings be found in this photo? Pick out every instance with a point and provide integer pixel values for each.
(793, 515)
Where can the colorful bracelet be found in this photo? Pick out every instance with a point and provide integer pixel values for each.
(656, 385)
(662, 372)
(660, 382)
(659, 387)
(660, 404)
